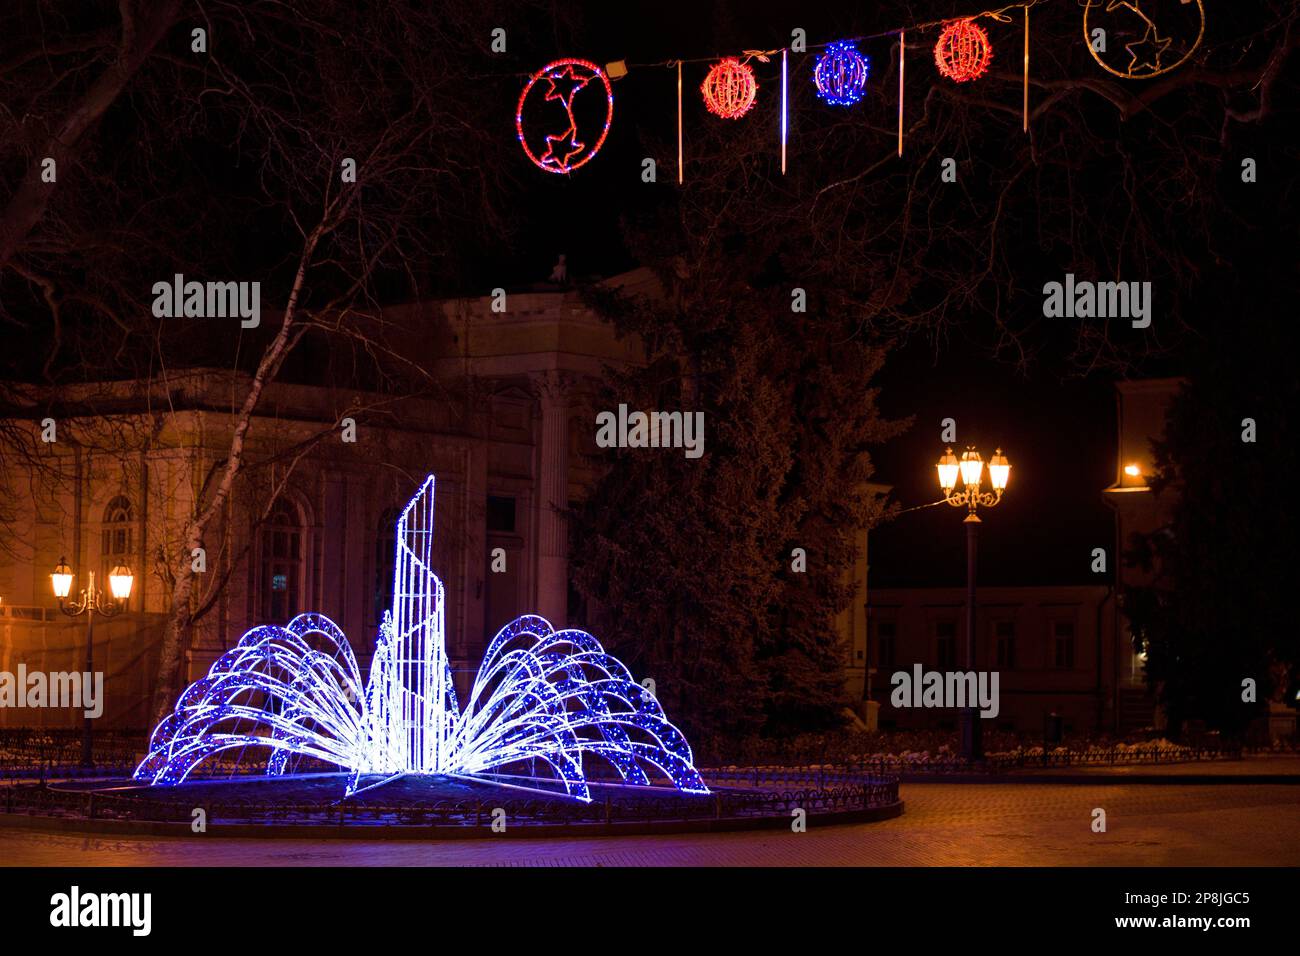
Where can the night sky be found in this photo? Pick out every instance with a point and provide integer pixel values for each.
(1057, 429)
(1059, 436)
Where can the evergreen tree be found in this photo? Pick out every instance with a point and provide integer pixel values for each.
(686, 564)
(1218, 609)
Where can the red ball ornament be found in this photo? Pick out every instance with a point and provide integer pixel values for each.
(729, 89)
(963, 52)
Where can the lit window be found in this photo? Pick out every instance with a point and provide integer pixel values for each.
(116, 537)
(282, 564)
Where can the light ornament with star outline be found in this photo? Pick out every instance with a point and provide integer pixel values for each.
(565, 80)
(571, 134)
(1147, 55)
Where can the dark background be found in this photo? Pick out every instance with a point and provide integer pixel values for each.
(1057, 428)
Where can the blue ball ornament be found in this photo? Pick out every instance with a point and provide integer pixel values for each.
(841, 74)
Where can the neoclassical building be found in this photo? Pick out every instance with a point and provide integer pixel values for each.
(309, 527)
(1053, 648)
(1141, 408)
(1060, 649)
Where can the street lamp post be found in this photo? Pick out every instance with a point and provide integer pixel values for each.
(970, 471)
(90, 602)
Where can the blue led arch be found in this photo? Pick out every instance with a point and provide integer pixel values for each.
(543, 699)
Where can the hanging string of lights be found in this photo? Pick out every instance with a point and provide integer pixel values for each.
(1001, 14)
(730, 90)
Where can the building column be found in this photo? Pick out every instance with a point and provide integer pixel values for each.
(473, 639)
(553, 390)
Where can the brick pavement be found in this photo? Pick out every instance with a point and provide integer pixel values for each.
(1282, 765)
(945, 824)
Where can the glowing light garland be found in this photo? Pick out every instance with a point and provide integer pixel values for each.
(963, 52)
(729, 88)
(542, 698)
(902, 67)
(1024, 110)
(841, 74)
(562, 81)
(680, 169)
(785, 107)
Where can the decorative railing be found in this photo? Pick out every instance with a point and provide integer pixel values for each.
(1025, 759)
(53, 755)
(842, 793)
(1112, 756)
(59, 747)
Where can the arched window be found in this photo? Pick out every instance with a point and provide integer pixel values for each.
(280, 578)
(116, 536)
(385, 558)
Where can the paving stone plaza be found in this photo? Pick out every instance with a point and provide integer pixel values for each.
(961, 824)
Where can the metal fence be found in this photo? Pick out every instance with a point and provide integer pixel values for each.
(1020, 760)
(27, 755)
(735, 799)
(34, 748)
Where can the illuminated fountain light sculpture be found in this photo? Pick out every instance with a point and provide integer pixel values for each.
(541, 697)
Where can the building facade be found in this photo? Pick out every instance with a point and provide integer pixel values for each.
(1052, 648)
(1141, 407)
(510, 436)
(1065, 649)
